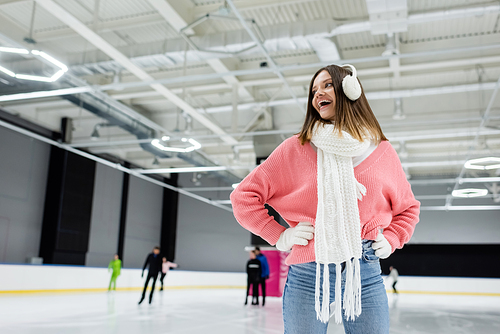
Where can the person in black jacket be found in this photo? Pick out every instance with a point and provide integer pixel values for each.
(154, 262)
(254, 272)
(264, 275)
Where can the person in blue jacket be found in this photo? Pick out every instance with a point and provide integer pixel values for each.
(265, 273)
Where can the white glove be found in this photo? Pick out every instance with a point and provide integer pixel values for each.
(298, 235)
(382, 247)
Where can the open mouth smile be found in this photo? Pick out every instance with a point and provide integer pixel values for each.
(323, 104)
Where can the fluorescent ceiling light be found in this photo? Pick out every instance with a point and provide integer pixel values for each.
(182, 170)
(33, 78)
(234, 185)
(14, 50)
(483, 163)
(63, 68)
(194, 146)
(51, 59)
(470, 192)
(8, 72)
(57, 75)
(45, 93)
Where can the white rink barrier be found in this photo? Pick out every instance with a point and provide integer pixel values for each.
(446, 285)
(19, 278)
(46, 278)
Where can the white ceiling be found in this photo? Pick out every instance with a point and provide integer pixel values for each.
(444, 67)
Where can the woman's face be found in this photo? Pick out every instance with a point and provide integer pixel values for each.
(324, 96)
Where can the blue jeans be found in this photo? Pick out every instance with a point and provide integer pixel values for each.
(299, 315)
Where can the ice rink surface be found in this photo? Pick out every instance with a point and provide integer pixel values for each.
(223, 312)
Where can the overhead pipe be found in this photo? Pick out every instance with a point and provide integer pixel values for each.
(143, 133)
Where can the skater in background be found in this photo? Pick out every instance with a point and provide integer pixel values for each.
(254, 273)
(265, 273)
(153, 260)
(394, 275)
(337, 184)
(114, 267)
(165, 267)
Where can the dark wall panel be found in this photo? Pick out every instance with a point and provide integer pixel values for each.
(446, 260)
(68, 208)
(169, 219)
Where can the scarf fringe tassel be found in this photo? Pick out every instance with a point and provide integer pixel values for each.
(351, 300)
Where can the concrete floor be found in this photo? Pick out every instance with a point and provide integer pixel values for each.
(223, 312)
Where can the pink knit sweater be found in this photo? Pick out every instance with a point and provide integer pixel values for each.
(287, 182)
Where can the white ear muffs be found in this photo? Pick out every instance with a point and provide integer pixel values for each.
(350, 84)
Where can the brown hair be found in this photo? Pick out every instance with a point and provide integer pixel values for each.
(354, 117)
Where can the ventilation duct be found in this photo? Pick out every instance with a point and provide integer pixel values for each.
(141, 131)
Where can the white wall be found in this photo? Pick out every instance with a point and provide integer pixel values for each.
(458, 227)
(209, 238)
(105, 219)
(18, 278)
(455, 227)
(439, 285)
(23, 177)
(48, 277)
(143, 225)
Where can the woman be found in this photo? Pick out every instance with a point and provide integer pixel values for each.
(338, 184)
(165, 267)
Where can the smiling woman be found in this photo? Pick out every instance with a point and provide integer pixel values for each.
(316, 181)
(328, 103)
(324, 96)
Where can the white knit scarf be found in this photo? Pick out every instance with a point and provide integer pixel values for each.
(337, 228)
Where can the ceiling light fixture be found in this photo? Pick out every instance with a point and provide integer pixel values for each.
(45, 93)
(62, 68)
(95, 133)
(14, 50)
(398, 110)
(51, 59)
(8, 72)
(194, 145)
(469, 192)
(483, 163)
(391, 45)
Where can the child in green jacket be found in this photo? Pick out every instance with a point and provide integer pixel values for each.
(115, 266)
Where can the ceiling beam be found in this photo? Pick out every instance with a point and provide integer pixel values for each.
(178, 23)
(271, 62)
(165, 9)
(292, 32)
(103, 27)
(261, 71)
(219, 67)
(64, 16)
